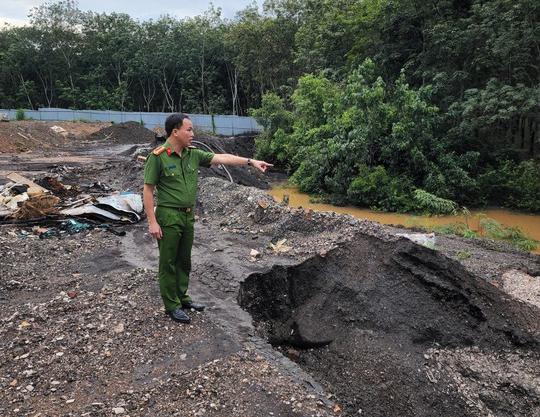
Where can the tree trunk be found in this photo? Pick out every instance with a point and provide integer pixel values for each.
(26, 92)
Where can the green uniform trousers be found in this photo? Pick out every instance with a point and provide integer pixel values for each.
(174, 255)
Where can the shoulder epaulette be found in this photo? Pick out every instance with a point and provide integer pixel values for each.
(192, 147)
(159, 150)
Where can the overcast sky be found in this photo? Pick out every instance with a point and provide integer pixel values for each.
(16, 11)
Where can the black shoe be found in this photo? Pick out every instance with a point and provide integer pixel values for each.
(194, 306)
(179, 315)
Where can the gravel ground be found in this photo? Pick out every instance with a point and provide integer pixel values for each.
(83, 331)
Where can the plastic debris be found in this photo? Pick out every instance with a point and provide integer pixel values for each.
(280, 247)
(425, 239)
(60, 130)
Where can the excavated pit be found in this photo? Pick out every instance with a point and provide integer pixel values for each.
(396, 329)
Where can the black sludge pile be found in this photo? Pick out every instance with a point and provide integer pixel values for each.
(396, 329)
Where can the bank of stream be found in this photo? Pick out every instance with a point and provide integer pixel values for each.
(527, 223)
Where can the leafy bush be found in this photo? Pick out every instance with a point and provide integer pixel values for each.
(374, 188)
(19, 115)
(432, 204)
(513, 184)
(272, 115)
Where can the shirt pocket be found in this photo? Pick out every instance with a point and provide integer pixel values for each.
(191, 170)
(171, 170)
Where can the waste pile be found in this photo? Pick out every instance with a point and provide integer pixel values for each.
(52, 208)
(127, 132)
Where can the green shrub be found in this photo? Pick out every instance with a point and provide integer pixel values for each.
(514, 185)
(494, 230)
(19, 115)
(458, 229)
(432, 204)
(375, 188)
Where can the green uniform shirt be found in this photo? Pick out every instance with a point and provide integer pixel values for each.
(175, 175)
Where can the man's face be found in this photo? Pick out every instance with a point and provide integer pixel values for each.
(184, 134)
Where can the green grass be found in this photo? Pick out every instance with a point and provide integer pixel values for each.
(489, 228)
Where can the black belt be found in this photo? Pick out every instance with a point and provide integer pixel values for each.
(185, 209)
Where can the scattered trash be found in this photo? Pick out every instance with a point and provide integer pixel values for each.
(37, 206)
(56, 187)
(124, 203)
(12, 203)
(49, 208)
(69, 227)
(122, 208)
(253, 255)
(424, 239)
(33, 188)
(98, 186)
(59, 130)
(280, 247)
(19, 189)
(72, 226)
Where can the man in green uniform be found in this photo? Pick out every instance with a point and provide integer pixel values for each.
(172, 169)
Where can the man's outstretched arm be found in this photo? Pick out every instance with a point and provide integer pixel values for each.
(228, 159)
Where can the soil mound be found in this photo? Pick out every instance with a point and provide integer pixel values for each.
(128, 132)
(236, 145)
(30, 135)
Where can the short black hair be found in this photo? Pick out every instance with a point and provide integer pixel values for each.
(174, 121)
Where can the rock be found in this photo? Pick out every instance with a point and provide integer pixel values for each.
(254, 253)
(72, 400)
(119, 410)
(119, 328)
(293, 354)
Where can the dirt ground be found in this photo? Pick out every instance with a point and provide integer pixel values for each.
(309, 314)
(28, 136)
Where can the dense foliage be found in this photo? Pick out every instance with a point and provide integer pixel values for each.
(86, 60)
(412, 106)
(390, 104)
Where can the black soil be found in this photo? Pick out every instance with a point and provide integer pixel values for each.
(128, 132)
(237, 145)
(365, 319)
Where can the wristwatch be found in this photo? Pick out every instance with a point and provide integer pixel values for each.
(249, 161)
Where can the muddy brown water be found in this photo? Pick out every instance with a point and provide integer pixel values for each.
(527, 223)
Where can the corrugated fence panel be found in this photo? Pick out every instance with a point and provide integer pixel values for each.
(217, 124)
